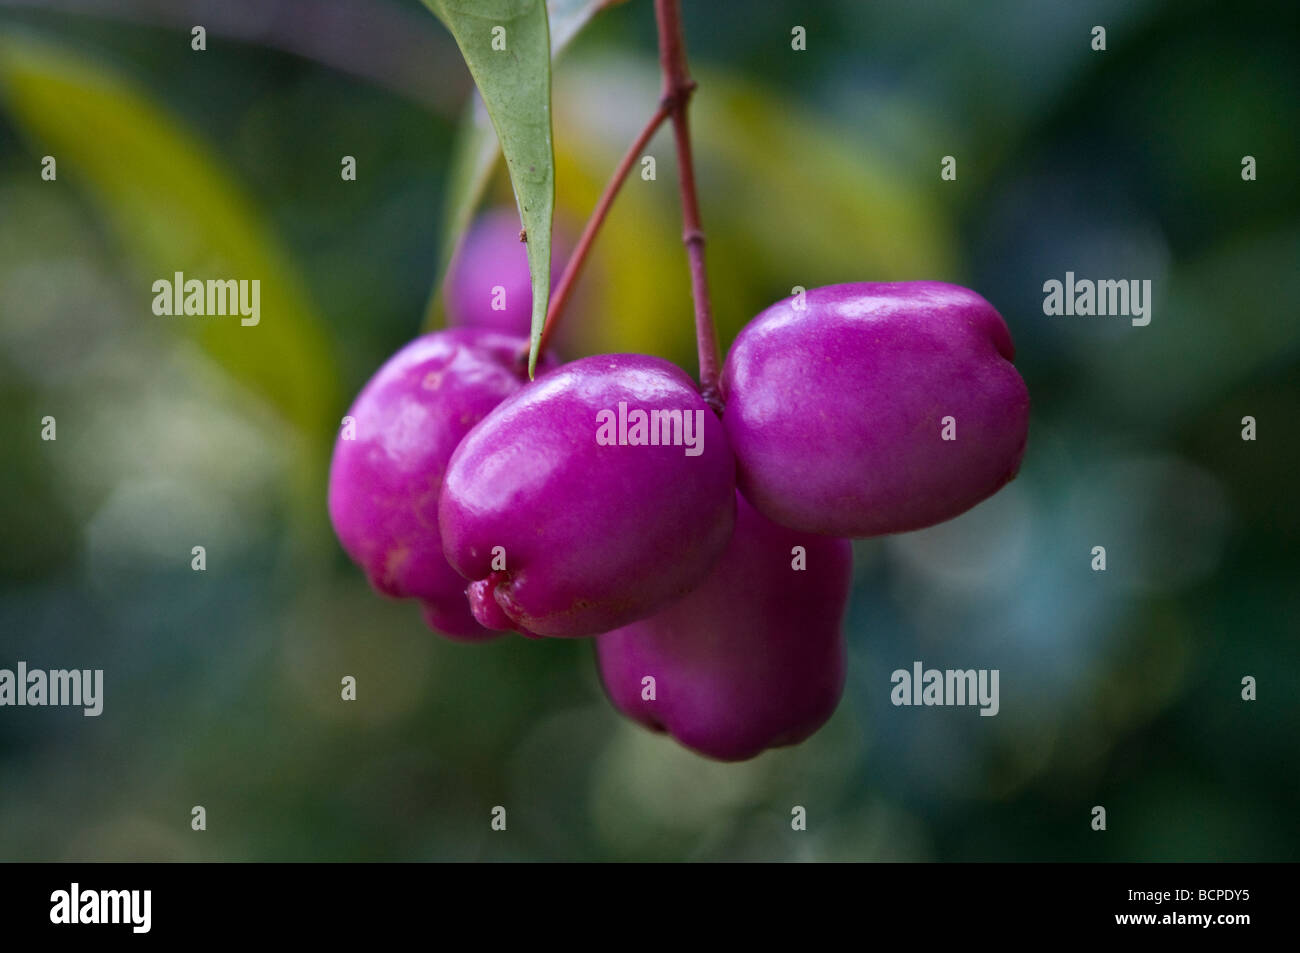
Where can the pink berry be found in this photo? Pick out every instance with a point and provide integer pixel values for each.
(874, 408)
(753, 658)
(592, 533)
(385, 480)
(488, 283)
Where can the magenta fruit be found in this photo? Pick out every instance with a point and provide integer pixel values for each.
(874, 408)
(385, 480)
(754, 658)
(589, 499)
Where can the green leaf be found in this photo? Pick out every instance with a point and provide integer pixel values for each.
(514, 79)
(476, 150)
(174, 208)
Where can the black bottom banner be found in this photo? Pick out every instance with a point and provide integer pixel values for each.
(137, 902)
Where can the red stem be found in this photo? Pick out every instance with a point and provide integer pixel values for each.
(579, 257)
(677, 90)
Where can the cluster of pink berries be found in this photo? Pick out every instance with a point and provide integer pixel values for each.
(706, 554)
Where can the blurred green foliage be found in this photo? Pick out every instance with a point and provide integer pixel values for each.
(222, 688)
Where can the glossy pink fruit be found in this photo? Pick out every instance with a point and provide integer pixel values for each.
(593, 536)
(384, 483)
(752, 659)
(838, 412)
(488, 283)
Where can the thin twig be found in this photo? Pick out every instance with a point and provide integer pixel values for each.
(571, 271)
(677, 90)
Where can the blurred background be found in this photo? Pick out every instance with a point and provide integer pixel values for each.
(1120, 689)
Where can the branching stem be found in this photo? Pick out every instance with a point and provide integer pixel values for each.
(674, 100)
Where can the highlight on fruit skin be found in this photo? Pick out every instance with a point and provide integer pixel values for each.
(390, 456)
(595, 534)
(872, 408)
(754, 658)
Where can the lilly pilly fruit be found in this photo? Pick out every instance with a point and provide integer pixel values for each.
(607, 487)
(753, 658)
(389, 460)
(874, 408)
